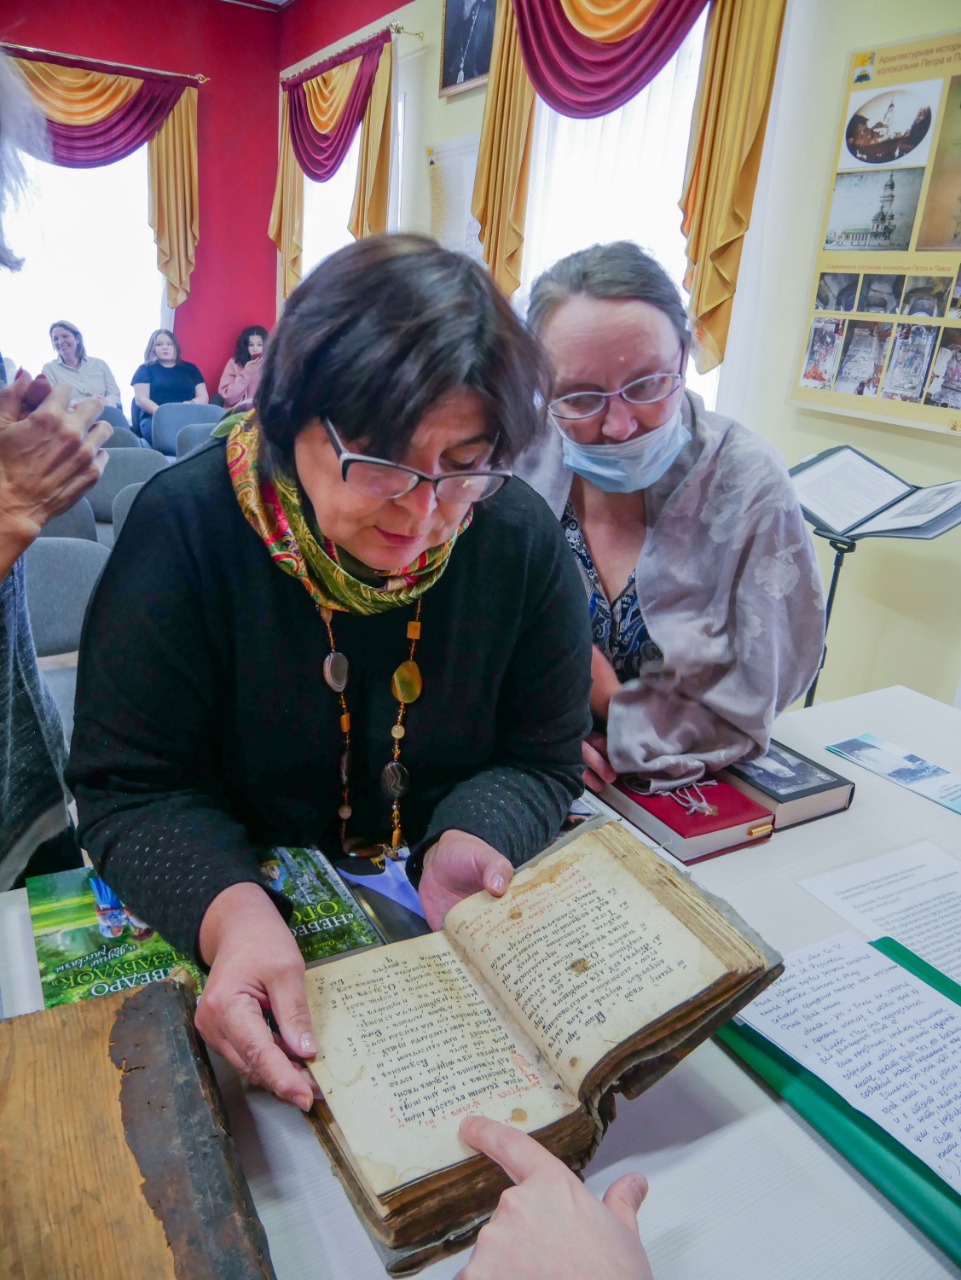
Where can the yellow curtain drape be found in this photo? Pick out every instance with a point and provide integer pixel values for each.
(609, 20)
(286, 226)
(368, 213)
(327, 94)
(727, 132)
(173, 196)
(499, 200)
(69, 95)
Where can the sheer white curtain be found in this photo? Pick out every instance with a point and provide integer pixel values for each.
(89, 257)
(616, 178)
(327, 210)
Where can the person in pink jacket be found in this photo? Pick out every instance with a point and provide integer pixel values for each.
(241, 376)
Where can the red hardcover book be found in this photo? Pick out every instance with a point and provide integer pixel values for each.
(694, 822)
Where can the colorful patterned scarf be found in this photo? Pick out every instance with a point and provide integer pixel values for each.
(273, 507)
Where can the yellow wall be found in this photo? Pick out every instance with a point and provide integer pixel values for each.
(897, 616)
(429, 119)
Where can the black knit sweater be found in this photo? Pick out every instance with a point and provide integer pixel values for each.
(204, 726)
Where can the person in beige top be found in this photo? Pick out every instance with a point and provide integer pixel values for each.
(84, 375)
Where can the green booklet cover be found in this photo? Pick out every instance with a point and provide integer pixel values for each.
(89, 944)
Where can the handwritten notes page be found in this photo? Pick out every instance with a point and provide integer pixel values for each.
(912, 895)
(885, 1041)
(410, 1026)
(588, 957)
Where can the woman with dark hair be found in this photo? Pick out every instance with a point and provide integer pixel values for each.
(85, 375)
(704, 595)
(241, 376)
(342, 626)
(164, 378)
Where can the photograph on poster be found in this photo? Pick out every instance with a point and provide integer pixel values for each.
(873, 211)
(885, 126)
(926, 295)
(910, 360)
(837, 291)
(881, 294)
(862, 357)
(954, 303)
(940, 222)
(823, 351)
(944, 389)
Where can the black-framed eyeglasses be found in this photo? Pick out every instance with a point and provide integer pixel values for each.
(381, 479)
(588, 404)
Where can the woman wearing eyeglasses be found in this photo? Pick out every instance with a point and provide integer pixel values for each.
(704, 594)
(341, 626)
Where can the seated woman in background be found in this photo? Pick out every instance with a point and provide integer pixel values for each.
(85, 375)
(704, 593)
(241, 376)
(164, 378)
(342, 626)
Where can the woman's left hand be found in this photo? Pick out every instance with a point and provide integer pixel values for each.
(457, 866)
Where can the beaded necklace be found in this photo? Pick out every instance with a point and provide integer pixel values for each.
(406, 685)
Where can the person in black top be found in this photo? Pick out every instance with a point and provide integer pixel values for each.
(164, 378)
(338, 624)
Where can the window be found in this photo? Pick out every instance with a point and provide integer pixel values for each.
(89, 257)
(327, 208)
(618, 177)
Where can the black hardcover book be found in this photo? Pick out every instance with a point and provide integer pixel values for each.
(793, 787)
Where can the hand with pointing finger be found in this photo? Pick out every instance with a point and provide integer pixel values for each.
(548, 1224)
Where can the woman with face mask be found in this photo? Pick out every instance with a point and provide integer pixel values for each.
(704, 594)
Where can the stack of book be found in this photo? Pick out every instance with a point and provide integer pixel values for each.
(743, 805)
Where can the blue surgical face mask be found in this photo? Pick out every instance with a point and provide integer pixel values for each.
(633, 465)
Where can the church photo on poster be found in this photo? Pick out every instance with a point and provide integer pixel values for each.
(944, 389)
(823, 351)
(862, 357)
(873, 211)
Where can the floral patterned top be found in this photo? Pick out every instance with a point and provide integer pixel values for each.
(617, 627)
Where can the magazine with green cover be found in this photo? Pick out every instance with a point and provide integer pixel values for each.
(89, 944)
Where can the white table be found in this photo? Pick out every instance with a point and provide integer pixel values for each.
(741, 1187)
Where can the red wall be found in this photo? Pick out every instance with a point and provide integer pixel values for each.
(234, 281)
(309, 25)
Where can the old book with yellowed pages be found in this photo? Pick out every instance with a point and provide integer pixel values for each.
(599, 969)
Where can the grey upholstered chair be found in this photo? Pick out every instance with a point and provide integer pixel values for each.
(114, 416)
(126, 466)
(77, 521)
(171, 418)
(123, 438)
(122, 504)
(191, 436)
(61, 574)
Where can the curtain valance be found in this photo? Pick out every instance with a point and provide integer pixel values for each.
(587, 75)
(95, 117)
(325, 110)
(321, 108)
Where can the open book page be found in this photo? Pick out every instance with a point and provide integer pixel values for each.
(880, 1037)
(409, 1046)
(585, 948)
(919, 508)
(845, 488)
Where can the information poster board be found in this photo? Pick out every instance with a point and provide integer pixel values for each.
(883, 334)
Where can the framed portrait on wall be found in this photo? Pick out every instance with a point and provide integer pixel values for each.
(467, 34)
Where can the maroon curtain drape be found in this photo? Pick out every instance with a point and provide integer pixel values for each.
(84, 146)
(320, 155)
(584, 78)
